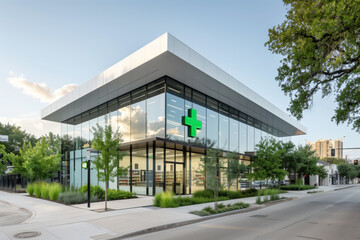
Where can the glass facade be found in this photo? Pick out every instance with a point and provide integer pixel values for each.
(152, 115)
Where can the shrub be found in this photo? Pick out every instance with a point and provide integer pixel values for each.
(166, 200)
(30, 189)
(54, 191)
(209, 210)
(72, 197)
(94, 190)
(37, 188)
(265, 198)
(45, 191)
(294, 187)
(119, 194)
(258, 200)
(207, 193)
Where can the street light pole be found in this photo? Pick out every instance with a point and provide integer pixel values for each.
(88, 185)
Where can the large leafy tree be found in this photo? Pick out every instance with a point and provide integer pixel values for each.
(320, 42)
(107, 142)
(268, 163)
(40, 161)
(17, 137)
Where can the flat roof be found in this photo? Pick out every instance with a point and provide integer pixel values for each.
(166, 55)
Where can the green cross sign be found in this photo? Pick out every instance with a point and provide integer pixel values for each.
(192, 123)
(84, 165)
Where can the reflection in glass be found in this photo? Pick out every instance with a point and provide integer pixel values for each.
(175, 112)
(251, 139)
(197, 178)
(159, 170)
(257, 136)
(234, 135)
(139, 171)
(156, 116)
(85, 134)
(124, 180)
(138, 118)
(243, 137)
(124, 122)
(224, 132)
(212, 128)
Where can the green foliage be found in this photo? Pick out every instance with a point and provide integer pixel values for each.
(270, 191)
(295, 187)
(2, 161)
(320, 45)
(221, 209)
(347, 170)
(37, 188)
(268, 163)
(336, 161)
(207, 193)
(321, 171)
(118, 194)
(17, 137)
(258, 200)
(74, 197)
(54, 191)
(45, 191)
(94, 190)
(30, 189)
(164, 200)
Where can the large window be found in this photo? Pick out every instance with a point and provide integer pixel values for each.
(174, 112)
(156, 116)
(234, 135)
(224, 132)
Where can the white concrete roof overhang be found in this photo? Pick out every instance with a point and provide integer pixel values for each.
(168, 56)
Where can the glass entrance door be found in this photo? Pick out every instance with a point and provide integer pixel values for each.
(175, 177)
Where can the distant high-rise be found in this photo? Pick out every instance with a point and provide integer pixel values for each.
(327, 148)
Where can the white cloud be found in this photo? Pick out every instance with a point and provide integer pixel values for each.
(39, 90)
(33, 125)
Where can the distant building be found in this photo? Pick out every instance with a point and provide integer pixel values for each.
(327, 148)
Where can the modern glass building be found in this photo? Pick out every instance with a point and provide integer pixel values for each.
(170, 104)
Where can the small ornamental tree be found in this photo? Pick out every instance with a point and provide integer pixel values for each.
(234, 170)
(106, 163)
(210, 166)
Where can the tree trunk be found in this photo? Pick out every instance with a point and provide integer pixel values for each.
(106, 191)
(298, 181)
(279, 183)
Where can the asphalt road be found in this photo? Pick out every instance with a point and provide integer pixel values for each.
(11, 215)
(332, 215)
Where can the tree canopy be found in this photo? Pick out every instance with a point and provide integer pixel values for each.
(268, 163)
(320, 42)
(17, 137)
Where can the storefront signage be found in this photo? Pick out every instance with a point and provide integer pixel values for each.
(4, 138)
(192, 123)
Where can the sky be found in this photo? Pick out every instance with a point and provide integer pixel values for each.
(47, 48)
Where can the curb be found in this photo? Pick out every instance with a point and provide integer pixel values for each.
(200, 219)
(337, 189)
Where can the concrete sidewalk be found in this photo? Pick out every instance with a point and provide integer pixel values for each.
(58, 221)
